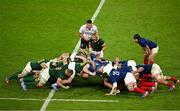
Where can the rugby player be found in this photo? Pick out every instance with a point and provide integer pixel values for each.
(154, 71)
(123, 74)
(96, 45)
(150, 48)
(85, 32)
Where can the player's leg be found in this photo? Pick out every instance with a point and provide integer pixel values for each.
(162, 81)
(154, 51)
(83, 45)
(174, 79)
(146, 59)
(25, 71)
(28, 81)
(43, 78)
(130, 83)
(12, 76)
(158, 75)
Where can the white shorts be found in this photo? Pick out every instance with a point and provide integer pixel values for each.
(155, 50)
(129, 78)
(156, 69)
(131, 63)
(72, 66)
(98, 52)
(28, 67)
(44, 76)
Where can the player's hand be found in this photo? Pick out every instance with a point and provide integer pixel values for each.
(146, 53)
(85, 38)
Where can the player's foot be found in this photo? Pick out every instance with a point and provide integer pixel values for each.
(144, 95)
(156, 86)
(176, 82)
(171, 88)
(23, 86)
(118, 91)
(7, 80)
(54, 87)
(153, 90)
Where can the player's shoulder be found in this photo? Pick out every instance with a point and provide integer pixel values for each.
(94, 26)
(83, 26)
(101, 40)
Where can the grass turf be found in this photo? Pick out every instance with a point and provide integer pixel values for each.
(37, 29)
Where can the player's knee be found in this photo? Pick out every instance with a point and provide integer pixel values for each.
(130, 87)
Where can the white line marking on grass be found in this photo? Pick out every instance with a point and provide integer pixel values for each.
(22, 99)
(84, 100)
(51, 93)
(48, 99)
(63, 100)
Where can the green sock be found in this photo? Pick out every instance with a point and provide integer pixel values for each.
(14, 75)
(30, 84)
(29, 78)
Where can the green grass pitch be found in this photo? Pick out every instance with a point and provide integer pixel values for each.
(36, 29)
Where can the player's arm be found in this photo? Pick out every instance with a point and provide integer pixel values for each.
(60, 83)
(90, 47)
(103, 47)
(81, 35)
(85, 69)
(67, 81)
(107, 84)
(113, 90)
(82, 58)
(146, 50)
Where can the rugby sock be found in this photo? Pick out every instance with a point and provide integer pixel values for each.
(30, 84)
(138, 90)
(29, 79)
(145, 60)
(169, 84)
(147, 84)
(146, 88)
(146, 76)
(173, 79)
(14, 75)
(144, 80)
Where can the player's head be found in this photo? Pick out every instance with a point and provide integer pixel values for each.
(95, 37)
(100, 70)
(136, 37)
(68, 72)
(89, 23)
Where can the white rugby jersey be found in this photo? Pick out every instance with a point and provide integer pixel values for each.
(88, 32)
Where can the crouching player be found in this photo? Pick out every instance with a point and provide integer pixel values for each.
(154, 71)
(57, 77)
(119, 75)
(150, 48)
(117, 64)
(96, 45)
